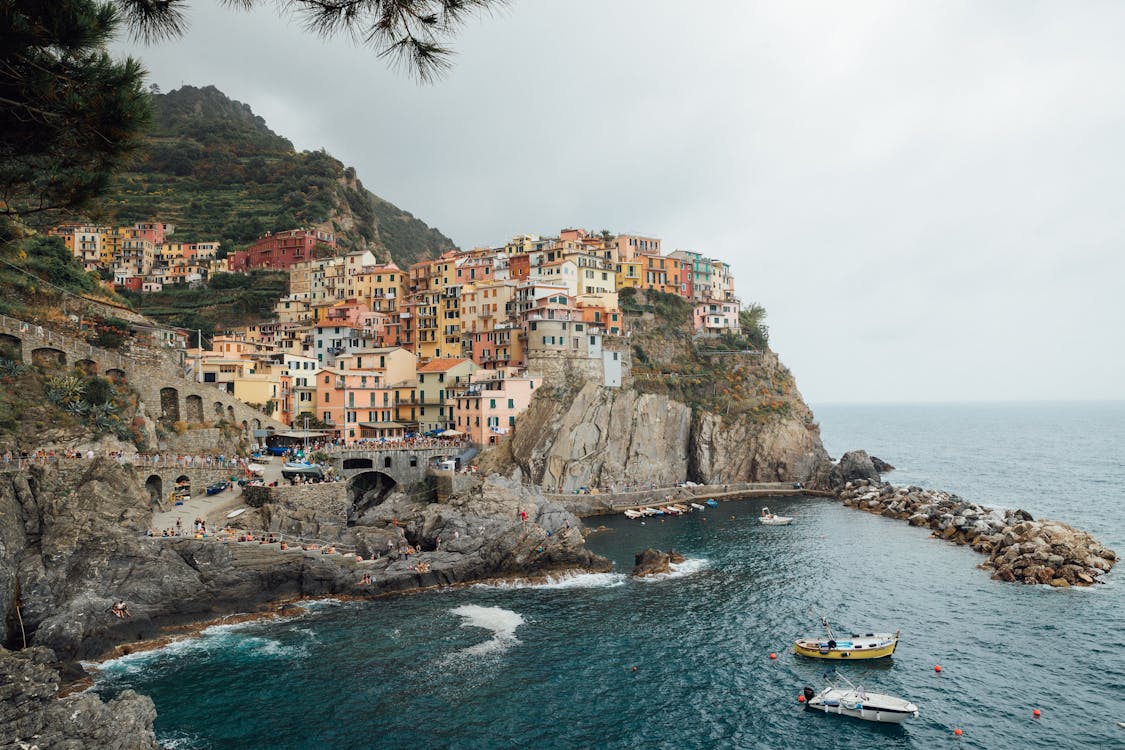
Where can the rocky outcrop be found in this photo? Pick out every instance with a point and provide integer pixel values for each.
(30, 715)
(611, 437)
(651, 562)
(853, 466)
(72, 542)
(1019, 547)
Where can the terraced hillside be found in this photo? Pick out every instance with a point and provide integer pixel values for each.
(216, 170)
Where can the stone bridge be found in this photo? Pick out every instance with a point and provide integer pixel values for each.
(368, 470)
(403, 465)
(156, 375)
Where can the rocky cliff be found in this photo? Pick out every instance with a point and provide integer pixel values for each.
(611, 437)
(72, 542)
(709, 410)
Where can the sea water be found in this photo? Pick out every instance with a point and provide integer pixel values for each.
(683, 661)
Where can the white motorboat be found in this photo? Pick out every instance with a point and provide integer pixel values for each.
(630, 513)
(769, 519)
(698, 506)
(854, 701)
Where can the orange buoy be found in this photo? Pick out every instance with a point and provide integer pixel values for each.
(800, 698)
(1035, 713)
(957, 732)
(773, 656)
(937, 667)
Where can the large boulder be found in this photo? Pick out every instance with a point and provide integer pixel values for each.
(32, 716)
(651, 562)
(853, 466)
(880, 465)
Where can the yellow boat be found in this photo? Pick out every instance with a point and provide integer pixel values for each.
(851, 647)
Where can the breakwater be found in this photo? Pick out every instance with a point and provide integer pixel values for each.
(1019, 548)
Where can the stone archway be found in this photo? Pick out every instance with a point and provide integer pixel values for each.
(183, 487)
(193, 406)
(87, 366)
(116, 375)
(48, 357)
(257, 423)
(367, 490)
(219, 409)
(11, 347)
(155, 486)
(169, 405)
(230, 413)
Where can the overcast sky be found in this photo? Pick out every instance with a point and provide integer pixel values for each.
(927, 198)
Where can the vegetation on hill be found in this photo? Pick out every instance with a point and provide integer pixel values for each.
(38, 275)
(70, 116)
(215, 170)
(36, 401)
(727, 375)
(226, 301)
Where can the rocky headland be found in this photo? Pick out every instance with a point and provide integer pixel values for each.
(1019, 548)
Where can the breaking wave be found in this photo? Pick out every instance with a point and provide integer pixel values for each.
(502, 623)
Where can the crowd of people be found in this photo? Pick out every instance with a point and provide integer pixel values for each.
(43, 457)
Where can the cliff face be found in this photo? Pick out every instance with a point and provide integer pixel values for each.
(710, 410)
(604, 437)
(741, 449)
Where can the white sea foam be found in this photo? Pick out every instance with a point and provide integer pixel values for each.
(180, 741)
(214, 638)
(689, 566)
(574, 580)
(502, 623)
(318, 605)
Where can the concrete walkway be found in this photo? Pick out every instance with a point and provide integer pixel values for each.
(212, 508)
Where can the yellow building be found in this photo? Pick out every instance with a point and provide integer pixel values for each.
(436, 383)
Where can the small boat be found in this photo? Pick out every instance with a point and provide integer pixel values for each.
(856, 702)
(682, 508)
(670, 510)
(630, 513)
(855, 646)
(295, 469)
(236, 513)
(712, 503)
(769, 519)
(697, 506)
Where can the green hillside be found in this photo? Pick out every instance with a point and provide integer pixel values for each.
(226, 301)
(215, 170)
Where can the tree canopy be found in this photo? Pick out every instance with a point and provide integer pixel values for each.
(69, 114)
(412, 34)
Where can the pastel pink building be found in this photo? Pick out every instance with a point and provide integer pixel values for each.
(714, 317)
(486, 409)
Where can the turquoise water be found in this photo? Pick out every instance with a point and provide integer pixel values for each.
(552, 666)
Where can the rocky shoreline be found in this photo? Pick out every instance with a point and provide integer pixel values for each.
(1019, 548)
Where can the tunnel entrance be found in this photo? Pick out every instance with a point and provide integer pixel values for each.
(155, 486)
(365, 491)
